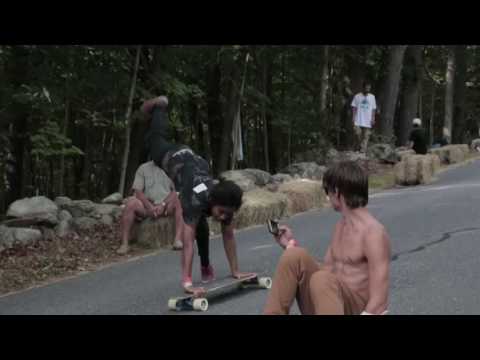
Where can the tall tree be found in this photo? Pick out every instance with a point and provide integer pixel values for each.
(121, 187)
(449, 90)
(459, 97)
(390, 89)
(412, 79)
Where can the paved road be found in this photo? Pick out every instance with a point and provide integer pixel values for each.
(435, 233)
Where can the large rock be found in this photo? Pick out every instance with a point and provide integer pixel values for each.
(61, 201)
(245, 180)
(115, 199)
(26, 236)
(305, 170)
(9, 236)
(64, 215)
(80, 208)
(84, 223)
(261, 177)
(334, 156)
(106, 220)
(281, 178)
(475, 145)
(383, 153)
(32, 206)
(64, 228)
(6, 237)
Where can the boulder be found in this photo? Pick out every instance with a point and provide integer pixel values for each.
(61, 201)
(334, 156)
(80, 208)
(64, 228)
(383, 153)
(261, 177)
(305, 170)
(245, 180)
(64, 215)
(10, 235)
(281, 178)
(84, 223)
(115, 199)
(32, 206)
(106, 220)
(475, 145)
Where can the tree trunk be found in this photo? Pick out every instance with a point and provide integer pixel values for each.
(459, 125)
(264, 114)
(449, 91)
(121, 187)
(214, 113)
(66, 120)
(412, 78)
(432, 117)
(231, 106)
(324, 82)
(390, 90)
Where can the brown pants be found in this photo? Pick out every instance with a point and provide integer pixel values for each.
(363, 135)
(318, 291)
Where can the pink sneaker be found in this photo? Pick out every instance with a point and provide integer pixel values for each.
(208, 274)
(148, 105)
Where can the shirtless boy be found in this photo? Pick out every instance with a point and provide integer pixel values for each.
(354, 276)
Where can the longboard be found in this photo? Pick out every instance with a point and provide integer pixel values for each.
(190, 302)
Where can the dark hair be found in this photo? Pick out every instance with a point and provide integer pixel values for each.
(365, 83)
(350, 180)
(226, 193)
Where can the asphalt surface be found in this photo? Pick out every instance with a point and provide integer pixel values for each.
(435, 232)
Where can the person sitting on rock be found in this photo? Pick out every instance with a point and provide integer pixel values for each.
(154, 197)
(354, 276)
(418, 138)
(199, 195)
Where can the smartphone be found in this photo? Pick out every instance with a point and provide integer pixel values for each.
(273, 227)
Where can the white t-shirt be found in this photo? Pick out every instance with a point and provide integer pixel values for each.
(365, 105)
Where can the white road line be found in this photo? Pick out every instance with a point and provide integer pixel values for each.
(262, 247)
(422, 189)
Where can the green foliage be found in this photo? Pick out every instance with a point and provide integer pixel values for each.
(49, 143)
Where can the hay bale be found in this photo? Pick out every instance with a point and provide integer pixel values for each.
(441, 153)
(403, 154)
(399, 171)
(155, 233)
(435, 163)
(416, 169)
(465, 149)
(258, 206)
(425, 169)
(411, 170)
(302, 195)
(454, 154)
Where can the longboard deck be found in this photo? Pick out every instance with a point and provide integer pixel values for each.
(214, 289)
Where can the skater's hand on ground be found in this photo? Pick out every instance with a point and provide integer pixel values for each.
(284, 236)
(241, 275)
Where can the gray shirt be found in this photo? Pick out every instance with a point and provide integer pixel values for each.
(153, 182)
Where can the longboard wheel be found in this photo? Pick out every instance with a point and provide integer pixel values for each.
(265, 282)
(200, 304)
(172, 304)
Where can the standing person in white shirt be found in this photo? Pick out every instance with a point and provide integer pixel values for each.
(364, 106)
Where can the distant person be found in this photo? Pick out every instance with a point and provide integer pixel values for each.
(444, 140)
(154, 197)
(364, 106)
(418, 138)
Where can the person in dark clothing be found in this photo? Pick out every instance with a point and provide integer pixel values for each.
(199, 196)
(418, 138)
